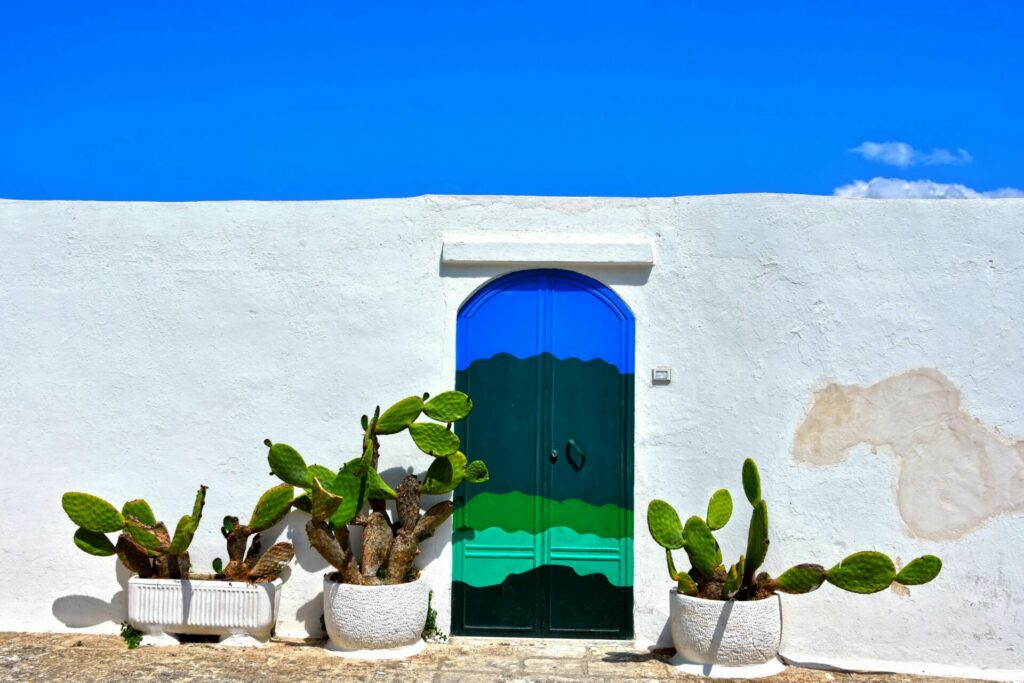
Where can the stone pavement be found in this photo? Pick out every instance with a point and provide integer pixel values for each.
(40, 657)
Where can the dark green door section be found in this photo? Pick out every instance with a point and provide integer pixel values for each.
(545, 548)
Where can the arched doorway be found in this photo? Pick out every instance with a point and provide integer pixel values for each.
(545, 548)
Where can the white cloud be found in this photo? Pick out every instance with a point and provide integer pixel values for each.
(903, 154)
(897, 188)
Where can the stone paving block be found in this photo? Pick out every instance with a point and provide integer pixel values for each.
(554, 665)
(487, 664)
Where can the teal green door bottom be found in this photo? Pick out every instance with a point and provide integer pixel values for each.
(545, 548)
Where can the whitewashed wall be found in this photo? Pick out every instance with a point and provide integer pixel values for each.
(146, 348)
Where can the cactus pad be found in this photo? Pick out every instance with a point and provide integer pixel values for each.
(449, 406)
(304, 502)
(686, 585)
(91, 512)
(323, 503)
(803, 578)
(288, 465)
(664, 525)
(719, 509)
(477, 473)
(444, 474)
(379, 489)
(324, 474)
(434, 439)
(751, 481)
(354, 491)
(399, 416)
(863, 572)
(93, 543)
(733, 581)
(272, 563)
(701, 546)
(183, 533)
(920, 570)
(757, 539)
(145, 535)
(271, 508)
(218, 565)
(197, 506)
(140, 510)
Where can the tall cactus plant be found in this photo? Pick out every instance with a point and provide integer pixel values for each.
(356, 494)
(144, 545)
(861, 572)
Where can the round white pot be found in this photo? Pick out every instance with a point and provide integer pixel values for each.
(375, 622)
(727, 638)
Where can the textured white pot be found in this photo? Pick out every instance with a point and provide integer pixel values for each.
(241, 613)
(375, 622)
(726, 638)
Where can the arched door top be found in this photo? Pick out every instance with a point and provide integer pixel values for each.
(545, 292)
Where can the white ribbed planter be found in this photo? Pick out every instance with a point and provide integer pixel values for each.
(375, 622)
(241, 613)
(728, 639)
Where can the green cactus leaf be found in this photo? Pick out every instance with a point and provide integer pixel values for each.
(144, 535)
(399, 416)
(673, 573)
(449, 406)
(287, 465)
(218, 565)
(664, 525)
(93, 543)
(477, 473)
(183, 533)
(919, 571)
(365, 463)
(379, 489)
(863, 572)
(323, 503)
(701, 546)
(434, 439)
(197, 506)
(353, 489)
(757, 540)
(140, 510)
(444, 474)
(272, 506)
(91, 512)
(751, 481)
(304, 501)
(719, 509)
(803, 578)
(686, 585)
(324, 474)
(733, 581)
(228, 525)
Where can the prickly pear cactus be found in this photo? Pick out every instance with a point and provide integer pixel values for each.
(861, 572)
(335, 500)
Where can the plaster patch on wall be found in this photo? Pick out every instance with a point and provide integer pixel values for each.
(955, 472)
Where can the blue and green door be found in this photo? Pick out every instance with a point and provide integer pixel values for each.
(545, 548)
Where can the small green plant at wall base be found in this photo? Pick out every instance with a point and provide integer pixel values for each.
(131, 636)
(144, 545)
(335, 499)
(862, 572)
(431, 633)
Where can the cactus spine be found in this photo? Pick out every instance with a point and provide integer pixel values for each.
(336, 500)
(861, 572)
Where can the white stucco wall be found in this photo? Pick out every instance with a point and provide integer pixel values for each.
(146, 348)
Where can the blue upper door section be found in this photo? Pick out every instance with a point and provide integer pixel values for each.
(506, 312)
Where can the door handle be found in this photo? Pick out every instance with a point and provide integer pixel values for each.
(571, 446)
(554, 455)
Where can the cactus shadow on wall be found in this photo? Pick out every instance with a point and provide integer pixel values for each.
(294, 526)
(81, 611)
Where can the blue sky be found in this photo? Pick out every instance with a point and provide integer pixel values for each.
(314, 100)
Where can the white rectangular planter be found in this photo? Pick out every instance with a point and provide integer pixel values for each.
(243, 613)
